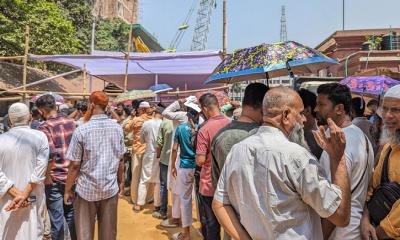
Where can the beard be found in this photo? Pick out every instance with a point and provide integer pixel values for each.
(297, 136)
(388, 136)
(321, 121)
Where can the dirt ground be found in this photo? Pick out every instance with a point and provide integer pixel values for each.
(142, 225)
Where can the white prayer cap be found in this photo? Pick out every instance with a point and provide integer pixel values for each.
(18, 114)
(393, 92)
(62, 107)
(144, 105)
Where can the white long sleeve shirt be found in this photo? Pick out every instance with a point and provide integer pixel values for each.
(24, 155)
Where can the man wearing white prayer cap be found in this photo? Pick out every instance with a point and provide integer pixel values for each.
(24, 154)
(388, 227)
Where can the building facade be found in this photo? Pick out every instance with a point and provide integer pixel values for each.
(362, 52)
(116, 9)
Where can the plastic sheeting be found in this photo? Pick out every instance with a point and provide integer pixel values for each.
(186, 70)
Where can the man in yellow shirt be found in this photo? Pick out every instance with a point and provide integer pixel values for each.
(389, 227)
(145, 113)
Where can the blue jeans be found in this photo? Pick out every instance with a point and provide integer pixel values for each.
(58, 211)
(163, 188)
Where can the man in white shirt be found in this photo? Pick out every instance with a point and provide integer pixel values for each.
(275, 185)
(24, 154)
(150, 173)
(334, 101)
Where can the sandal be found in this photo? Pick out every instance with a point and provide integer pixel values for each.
(158, 215)
(178, 236)
(137, 209)
(167, 224)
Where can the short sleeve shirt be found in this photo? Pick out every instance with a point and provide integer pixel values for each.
(204, 139)
(98, 145)
(187, 155)
(277, 187)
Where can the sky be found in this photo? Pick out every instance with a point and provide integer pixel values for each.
(252, 22)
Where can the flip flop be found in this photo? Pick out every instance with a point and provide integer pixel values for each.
(167, 224)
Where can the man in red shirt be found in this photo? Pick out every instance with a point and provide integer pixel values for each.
(215, 121)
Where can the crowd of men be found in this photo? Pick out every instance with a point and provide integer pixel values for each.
(290, 165)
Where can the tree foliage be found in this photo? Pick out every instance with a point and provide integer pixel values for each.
(50, 32)
(57, 27)
(112, 35)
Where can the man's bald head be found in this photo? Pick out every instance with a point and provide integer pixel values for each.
(276, 99)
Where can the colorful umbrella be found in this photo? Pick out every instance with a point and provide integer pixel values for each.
(268, 61)
(57, 97)
(160, 88)
(372, 85)
(134, 94)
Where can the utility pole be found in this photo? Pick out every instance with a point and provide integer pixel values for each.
(343, 15)
(224, 29)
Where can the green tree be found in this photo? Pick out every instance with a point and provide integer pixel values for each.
(112, 35)
(50, 32)
(79, 12)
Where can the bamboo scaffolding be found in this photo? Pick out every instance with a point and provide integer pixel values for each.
(59, 93)
(198, 90)
(40, 81)
(7, 99)
(25, 71)
(10, 57)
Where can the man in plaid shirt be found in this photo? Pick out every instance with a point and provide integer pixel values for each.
(96, 152)
(59, 132)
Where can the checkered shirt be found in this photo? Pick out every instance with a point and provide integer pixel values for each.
(99, 146)
(58, 131)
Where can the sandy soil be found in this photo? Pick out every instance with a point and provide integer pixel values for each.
(142, 225)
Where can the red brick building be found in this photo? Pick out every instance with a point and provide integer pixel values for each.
(347, 47)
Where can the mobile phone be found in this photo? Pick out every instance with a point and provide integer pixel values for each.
(31, 199)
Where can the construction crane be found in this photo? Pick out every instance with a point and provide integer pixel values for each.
(182, 29)
(202, 25)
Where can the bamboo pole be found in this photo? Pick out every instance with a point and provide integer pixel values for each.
(198, 90)
(11, 57)
(6, 99)
(25, 72)
(224, 29)
(84, 78)
(59, 93)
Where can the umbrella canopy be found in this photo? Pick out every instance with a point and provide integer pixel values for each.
(160, 88)
(57, 97)
(372, 85)
(269, 60)
(134, 94)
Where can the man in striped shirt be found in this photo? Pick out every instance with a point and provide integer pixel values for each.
(59, 131)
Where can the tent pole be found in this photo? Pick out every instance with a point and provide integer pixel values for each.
(156, 83)
(84, 78)
(25, 71)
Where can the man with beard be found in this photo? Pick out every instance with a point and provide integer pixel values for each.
(390, 139)
(274, 185)
(334, 101)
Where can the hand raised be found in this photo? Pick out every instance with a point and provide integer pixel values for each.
(335, 144)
